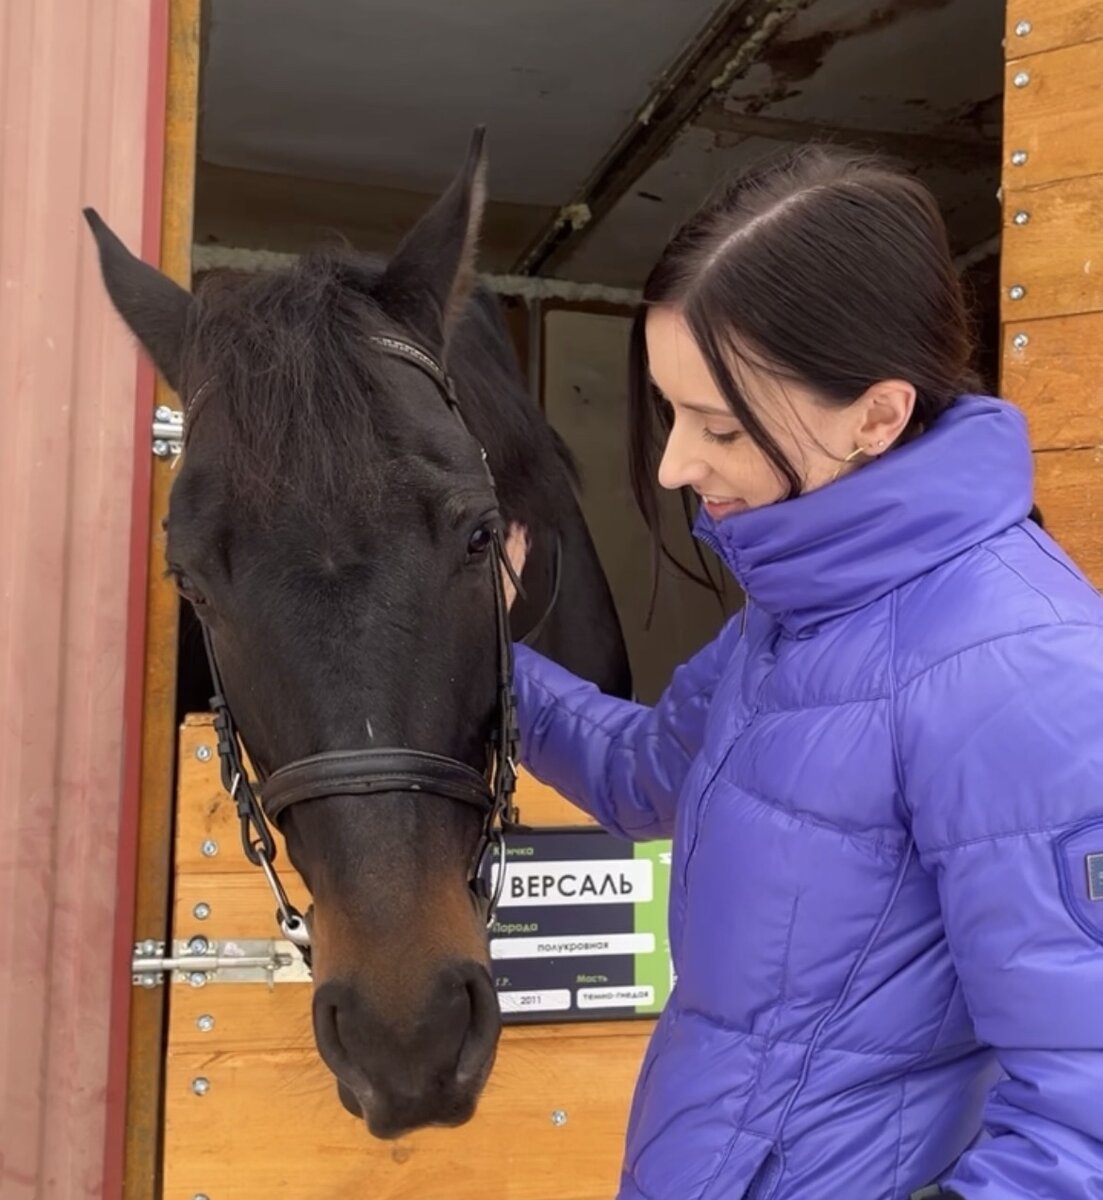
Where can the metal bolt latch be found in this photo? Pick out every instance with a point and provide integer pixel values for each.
(204, 1023)
(1022, 78)
(203, 753)
(559, 1117)
(209, 848)
(1023, 29)
(1018, 158)
(200, 961)
(201, 911)
(167, 431)
(1020, 341)
(1017, 291)
(200, 1085)
(1022, 217)
(147, 950)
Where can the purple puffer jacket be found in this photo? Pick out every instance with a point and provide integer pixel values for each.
(886, 800)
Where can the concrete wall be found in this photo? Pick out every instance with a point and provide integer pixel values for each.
(73, 93)
(586, 395)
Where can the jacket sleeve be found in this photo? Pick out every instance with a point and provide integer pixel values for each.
(1001, 752)
(621, 762)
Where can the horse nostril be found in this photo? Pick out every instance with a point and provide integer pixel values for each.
(482, 1030)
(327, 1032)
(348, 1100)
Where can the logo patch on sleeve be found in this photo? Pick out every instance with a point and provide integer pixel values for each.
(1079, 853)
(1095, 875)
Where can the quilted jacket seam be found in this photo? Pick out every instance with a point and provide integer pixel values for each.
(909, 1057)
(1029, 631)
(1023, 579)
(801, 817)
(1005, 835)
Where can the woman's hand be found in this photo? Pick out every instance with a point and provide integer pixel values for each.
(517, 548)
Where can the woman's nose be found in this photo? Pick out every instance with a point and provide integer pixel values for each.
(680, 466)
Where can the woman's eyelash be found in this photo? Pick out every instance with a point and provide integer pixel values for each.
(722, 439)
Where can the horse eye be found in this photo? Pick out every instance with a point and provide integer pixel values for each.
(480, 541)
(187, 589)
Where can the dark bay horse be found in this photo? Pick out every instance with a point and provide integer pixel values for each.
(330, 524)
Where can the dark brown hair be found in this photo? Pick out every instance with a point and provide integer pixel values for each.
(823, 267)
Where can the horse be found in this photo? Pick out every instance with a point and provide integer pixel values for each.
(357, 436)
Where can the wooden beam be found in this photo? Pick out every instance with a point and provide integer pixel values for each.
(731, 42)
(952, 149)
(151, 916)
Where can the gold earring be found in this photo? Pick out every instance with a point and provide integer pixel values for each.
(849, 458)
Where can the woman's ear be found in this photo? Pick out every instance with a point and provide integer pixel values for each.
(885, 408)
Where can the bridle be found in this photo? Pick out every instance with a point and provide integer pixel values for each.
(376, 771)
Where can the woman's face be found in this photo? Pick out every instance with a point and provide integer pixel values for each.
(709, 451)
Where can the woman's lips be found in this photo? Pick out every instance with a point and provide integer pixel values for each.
(718, 507)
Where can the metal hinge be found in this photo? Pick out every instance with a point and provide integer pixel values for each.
(199, 961)
(168, 431)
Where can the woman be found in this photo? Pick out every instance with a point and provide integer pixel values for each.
(884, 779)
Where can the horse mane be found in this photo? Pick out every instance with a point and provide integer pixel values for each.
(285, 355)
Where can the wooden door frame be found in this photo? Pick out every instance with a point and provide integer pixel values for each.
(132, 1161)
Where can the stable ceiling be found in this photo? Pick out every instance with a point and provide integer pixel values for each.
(608, 120)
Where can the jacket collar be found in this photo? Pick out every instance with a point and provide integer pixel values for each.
(807, 560)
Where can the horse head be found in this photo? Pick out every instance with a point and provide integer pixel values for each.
(335, 528)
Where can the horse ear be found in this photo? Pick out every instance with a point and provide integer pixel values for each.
(429, 279)
(153, 306)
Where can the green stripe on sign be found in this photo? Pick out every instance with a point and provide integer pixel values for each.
(653, 970)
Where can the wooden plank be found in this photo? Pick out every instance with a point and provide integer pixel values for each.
(271, 1122)
(1057, 255)
(539, 804)
(1070, 493)
(206, 812)
(147, 1014)
(1052, 23)
(1054, 379)
(1056, 117)
(251, 1017)
(240, 904)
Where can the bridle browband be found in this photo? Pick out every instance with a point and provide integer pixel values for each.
(377, 771)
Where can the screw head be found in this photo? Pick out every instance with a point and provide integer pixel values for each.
(1020, 341)
(209, 848)
(559, 1117)
(148, 981)
(1021, 79)
(201, 911)
(1017, 291)
(198, 945)
(1023, 29)
(200, 1196)
(162, 412)
(200, 1085)
(1018, 158)
(161, 448)
(198, 979)
(149, 947)
(204, 1023)
(203, 753)
(1022, 217)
